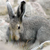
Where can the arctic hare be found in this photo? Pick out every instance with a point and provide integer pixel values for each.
(27, 28)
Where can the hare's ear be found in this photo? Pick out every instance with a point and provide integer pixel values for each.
(10, 11)
(21, 9)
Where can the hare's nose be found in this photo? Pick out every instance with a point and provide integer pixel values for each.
(18, 27)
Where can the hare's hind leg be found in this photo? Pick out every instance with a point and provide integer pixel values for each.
(43, 34)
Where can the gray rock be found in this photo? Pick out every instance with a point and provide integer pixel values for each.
(42, 46)
(3, 8)
(46, 48)
(34, 9)
(46, 6)
(3, 29)
(32, 0)
(3, 2)
(19, 1)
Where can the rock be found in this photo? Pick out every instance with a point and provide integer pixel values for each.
(19, 1)
(42, 46)
(3, 2)
(3, 8)
(46, 6)
(46, 48)
(34, 9)
(15, 9)
(3, 29)
(32, 0)
(7, 19)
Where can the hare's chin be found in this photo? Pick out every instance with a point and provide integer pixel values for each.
(17, 38)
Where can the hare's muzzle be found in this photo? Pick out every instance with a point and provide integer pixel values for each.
(15, 37)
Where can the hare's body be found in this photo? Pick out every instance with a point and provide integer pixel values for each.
(27, 28)
(35, 27)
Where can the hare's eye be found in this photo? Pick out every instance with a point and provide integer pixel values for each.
(18, 27)
(13, 16)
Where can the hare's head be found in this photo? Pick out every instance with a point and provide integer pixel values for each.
(16, 21)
